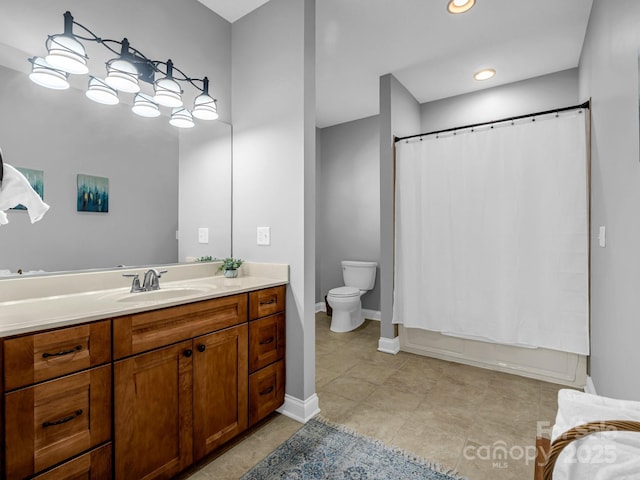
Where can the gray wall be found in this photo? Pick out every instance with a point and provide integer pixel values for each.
(348, 202)
(536, 94)
(609, 74)
(274, 161)
(140, 156)
(399, 116)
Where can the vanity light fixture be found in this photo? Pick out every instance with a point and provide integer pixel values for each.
(460, 6)
(67, 55)
(484, 74)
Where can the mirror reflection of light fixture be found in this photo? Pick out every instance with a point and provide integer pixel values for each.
(144, 106)
(66, 55)
(460, 6)
(181, 118)
(100, 92)
(46, 76)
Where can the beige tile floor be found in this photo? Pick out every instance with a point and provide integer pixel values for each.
(459, 416)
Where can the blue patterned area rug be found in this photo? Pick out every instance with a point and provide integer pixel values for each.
(321, 450)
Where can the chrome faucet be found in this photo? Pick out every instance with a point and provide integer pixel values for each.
(135, 284)
(152, 279)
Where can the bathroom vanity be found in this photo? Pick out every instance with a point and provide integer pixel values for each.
(129, 386)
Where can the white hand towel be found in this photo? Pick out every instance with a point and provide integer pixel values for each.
(16, 190)
(599, 456)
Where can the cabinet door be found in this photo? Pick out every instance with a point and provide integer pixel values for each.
(50, 422)
(153, 413)
(219, 387)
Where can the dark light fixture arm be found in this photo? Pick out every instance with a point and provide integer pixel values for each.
(127, 52)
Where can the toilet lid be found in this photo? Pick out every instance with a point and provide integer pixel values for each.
(344, 292)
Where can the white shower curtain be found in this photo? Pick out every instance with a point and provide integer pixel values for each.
(492, 233)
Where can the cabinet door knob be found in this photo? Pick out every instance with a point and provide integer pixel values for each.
(202, 347)
(188, 353)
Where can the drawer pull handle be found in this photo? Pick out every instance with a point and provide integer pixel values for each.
(202, 347)
(267, 341)
(273, 300)
(187, 353)
(267, 391)
(77, 413)
(77, 348)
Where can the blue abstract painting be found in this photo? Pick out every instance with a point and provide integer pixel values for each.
(93, 194)
(35, 179)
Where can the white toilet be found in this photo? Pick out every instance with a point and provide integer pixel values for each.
(359, 278)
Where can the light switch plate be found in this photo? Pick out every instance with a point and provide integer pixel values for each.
(602, 237)
(203, 235)
(264, 235)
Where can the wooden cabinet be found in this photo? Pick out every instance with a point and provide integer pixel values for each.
(177, 403)
(220, 395)
(55, 405)
(152, 407)
(266, 352)
(140, 396)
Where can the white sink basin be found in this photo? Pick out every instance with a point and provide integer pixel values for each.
(162, 294)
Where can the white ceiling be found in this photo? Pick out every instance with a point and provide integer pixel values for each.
(433, 53)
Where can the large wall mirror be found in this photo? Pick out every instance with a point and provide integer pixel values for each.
(164, 184)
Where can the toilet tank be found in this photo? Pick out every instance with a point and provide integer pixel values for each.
(361, 275)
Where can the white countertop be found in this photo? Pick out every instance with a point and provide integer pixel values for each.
(72, 303)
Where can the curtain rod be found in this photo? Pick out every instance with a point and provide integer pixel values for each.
(586, 104)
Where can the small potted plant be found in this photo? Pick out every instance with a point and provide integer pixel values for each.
(230, 267)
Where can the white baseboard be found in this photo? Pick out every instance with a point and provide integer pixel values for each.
(589, 386)
(372, 314)
(368, 314)
(389, 345)
(300, 410)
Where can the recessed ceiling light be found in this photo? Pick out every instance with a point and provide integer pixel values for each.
(460, 6)
(484, 74)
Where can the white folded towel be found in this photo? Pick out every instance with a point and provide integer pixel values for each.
(609, 455)
(16, 190)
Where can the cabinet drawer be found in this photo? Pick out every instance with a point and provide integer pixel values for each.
(266, 302)
(145, 331)
(266, 391)
(266, 341)
(93, 465)
(43, 356)
(50, 422)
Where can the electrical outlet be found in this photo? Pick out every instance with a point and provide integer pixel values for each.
(203, 235)
(264, 235)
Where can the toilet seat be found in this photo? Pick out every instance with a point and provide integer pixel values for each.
(344, 292)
